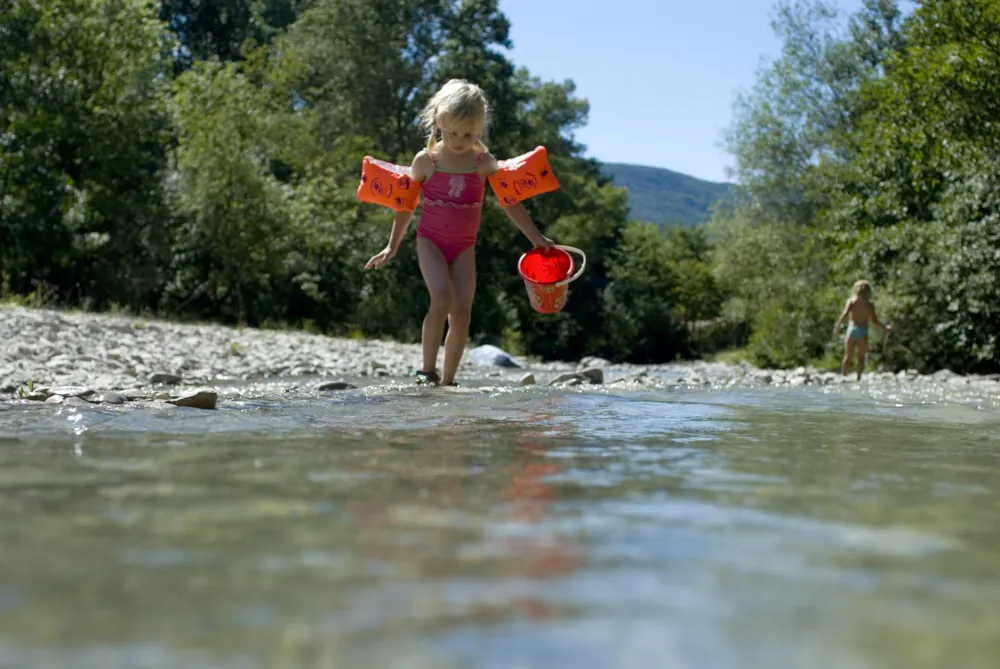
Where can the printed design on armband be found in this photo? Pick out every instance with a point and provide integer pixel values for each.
(381, 189)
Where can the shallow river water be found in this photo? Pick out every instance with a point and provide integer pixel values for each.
(846, 527)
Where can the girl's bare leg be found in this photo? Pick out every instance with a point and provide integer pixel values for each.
(862, 350)
(463, 277)
(849, 346)
(434, 269)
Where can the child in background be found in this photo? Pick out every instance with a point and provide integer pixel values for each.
(861, 310)
(453, 171)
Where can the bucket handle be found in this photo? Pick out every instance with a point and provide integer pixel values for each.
(583, 265)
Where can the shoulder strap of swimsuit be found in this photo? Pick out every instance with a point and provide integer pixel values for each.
(434, 163)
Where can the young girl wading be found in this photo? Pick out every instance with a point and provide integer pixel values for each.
(861, 311)
(453, 173)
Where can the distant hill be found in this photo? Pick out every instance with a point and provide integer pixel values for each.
(659, 195)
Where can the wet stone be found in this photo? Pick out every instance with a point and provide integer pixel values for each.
(198, 399)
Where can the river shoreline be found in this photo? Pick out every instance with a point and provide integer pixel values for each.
(56, 356)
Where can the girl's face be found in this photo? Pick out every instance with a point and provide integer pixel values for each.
(459, 137)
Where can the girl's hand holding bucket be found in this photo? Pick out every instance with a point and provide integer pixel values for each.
(547, 273)
(543, 242)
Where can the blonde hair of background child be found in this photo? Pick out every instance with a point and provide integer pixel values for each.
(862, 288)
(457, 102)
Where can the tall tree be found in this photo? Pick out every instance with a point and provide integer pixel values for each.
(803, 107)
(225, 29)
(83, 122)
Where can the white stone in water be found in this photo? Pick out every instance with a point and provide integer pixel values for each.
(594, 361)
(109, 397)
(70, 391)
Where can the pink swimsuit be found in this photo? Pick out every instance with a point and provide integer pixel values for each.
(453, 203)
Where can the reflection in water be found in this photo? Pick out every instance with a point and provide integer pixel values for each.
(542, 552)
(502, 529)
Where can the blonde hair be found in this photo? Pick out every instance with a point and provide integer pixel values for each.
(862, 288)
(458, 101)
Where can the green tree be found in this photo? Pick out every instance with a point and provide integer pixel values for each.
(915, 209)
(83, 126)
(234, 216)
(226, 29)
(794, 137)
(641, 301)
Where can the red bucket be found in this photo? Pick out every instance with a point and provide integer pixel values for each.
(547, 274)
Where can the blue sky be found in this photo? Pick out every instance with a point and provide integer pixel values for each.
(660, 75)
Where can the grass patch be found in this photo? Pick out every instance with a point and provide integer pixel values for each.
(732, 356)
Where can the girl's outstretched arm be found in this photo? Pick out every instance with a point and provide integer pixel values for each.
(878, 323)
(843, 316)
(401, 220)
(518, 215)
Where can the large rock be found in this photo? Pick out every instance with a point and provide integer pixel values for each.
(488, 355)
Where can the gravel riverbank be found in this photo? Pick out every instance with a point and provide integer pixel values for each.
(57, 356)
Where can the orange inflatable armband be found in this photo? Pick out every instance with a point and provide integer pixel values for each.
(388, 185)
(526, 176)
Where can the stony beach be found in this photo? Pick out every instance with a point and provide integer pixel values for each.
(61, 356)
